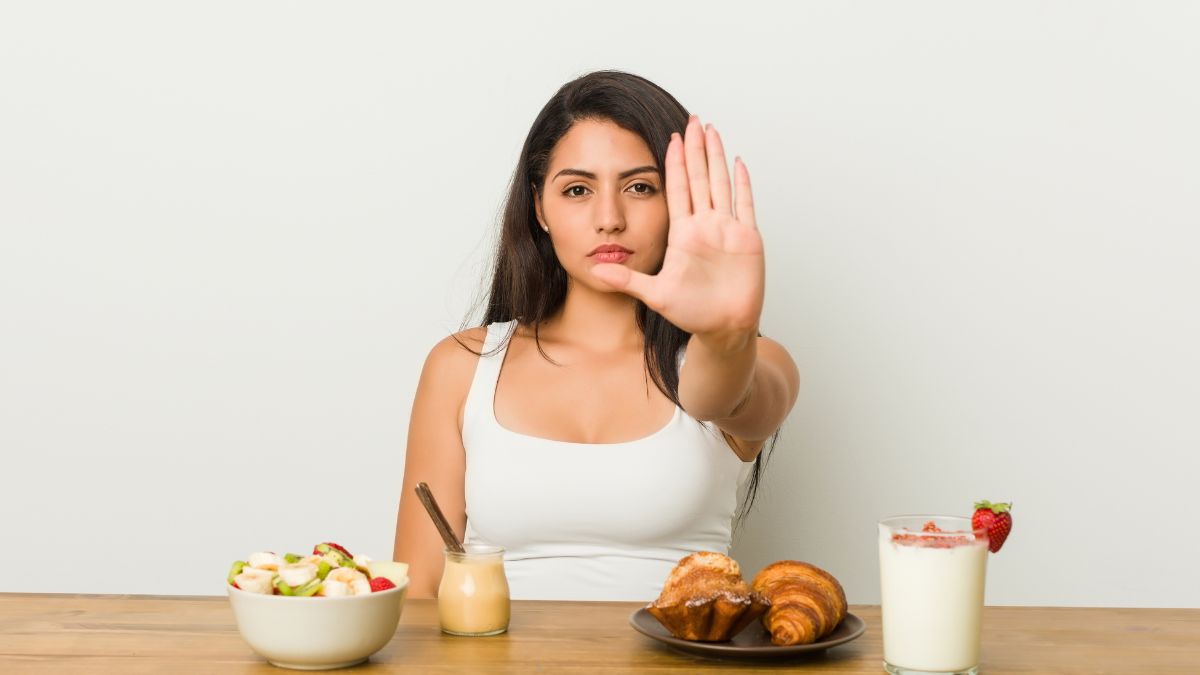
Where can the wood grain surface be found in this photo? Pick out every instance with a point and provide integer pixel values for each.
(154, 634)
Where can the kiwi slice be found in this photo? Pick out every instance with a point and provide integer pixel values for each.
(308, 589)
(284, 589)
(236, 569)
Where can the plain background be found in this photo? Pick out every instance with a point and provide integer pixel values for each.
(232, 231)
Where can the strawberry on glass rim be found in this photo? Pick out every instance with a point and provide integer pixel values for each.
(996, 519)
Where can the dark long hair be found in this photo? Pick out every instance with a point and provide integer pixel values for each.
(528, 283)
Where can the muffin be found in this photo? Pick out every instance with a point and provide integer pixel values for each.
(706, 599)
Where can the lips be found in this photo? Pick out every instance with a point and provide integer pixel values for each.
(610, 253)
(609, 248)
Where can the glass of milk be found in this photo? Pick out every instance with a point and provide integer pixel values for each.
(473, 594)
(931, 574)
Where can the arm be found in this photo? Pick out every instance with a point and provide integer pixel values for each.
(435, 455)
(746, 385)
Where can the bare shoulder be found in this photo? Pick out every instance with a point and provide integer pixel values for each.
(447, 375)
(462, 342)
(453, 359)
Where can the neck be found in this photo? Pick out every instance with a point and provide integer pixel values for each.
(598, 321)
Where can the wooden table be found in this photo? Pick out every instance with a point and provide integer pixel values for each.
(154, 634)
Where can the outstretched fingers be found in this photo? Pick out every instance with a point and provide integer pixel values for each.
(679, 198)
(718, 173)
(744, 202)
(697, 165)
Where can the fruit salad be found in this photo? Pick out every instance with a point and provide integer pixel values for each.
(329, 571)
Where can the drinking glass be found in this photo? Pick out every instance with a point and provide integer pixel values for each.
(931, 577)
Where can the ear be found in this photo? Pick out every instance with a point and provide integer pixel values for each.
(537, 207)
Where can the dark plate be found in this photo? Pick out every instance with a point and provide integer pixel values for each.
(752, 643)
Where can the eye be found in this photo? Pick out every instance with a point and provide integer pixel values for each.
(638, 188)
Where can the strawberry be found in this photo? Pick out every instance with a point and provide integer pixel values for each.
(996, 519)
(381, 584)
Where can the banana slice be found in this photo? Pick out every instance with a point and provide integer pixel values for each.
(344, 581)
(298, 573)
(264, 560)
(254, 580)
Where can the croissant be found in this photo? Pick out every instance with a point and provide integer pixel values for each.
(807, 602)
(705, 598)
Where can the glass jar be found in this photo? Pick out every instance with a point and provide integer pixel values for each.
(473, 594)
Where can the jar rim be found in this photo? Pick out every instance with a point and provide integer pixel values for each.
(476, 551)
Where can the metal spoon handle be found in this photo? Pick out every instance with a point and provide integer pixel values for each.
(439, 520)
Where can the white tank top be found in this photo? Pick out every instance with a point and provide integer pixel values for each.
(593, 521)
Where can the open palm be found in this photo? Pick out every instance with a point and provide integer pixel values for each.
(712, 275)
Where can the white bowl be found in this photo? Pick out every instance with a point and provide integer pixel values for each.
(317, 633)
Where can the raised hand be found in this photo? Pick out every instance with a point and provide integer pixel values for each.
(712, 277)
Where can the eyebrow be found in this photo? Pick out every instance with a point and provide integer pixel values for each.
(588, 174)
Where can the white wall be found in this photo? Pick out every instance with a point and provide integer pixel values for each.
(229, 232)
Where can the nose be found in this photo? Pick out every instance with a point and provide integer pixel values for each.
(610, 216)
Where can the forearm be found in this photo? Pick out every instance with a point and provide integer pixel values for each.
(717, 374)
(746, 386)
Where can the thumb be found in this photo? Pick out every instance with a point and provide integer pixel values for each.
(625, 280)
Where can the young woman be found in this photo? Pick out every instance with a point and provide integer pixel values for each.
(601, 421)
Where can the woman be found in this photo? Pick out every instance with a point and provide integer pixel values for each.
(601, 421)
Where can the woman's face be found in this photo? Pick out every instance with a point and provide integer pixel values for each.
(603, 187)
